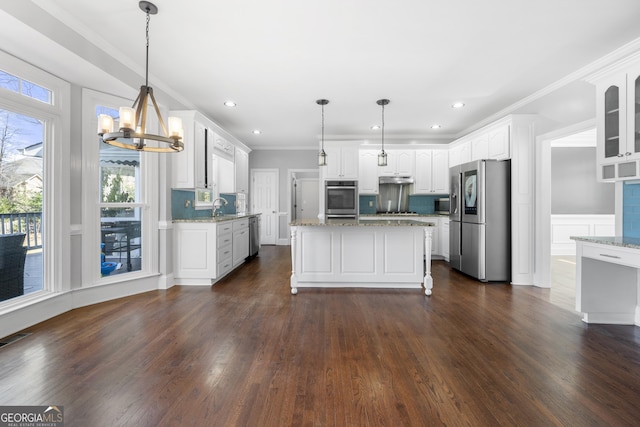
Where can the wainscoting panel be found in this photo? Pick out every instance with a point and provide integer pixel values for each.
(565, 226)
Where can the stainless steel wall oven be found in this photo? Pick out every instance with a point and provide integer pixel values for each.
(341, 199)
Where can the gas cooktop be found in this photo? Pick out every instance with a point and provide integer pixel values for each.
(398, 213)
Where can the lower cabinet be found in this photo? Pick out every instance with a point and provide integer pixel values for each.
(207, 251)
(224, 253)
(444, 238)
(240, 241)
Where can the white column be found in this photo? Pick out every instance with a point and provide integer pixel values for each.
(428, 280)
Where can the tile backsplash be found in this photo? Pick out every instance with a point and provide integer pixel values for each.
(182, 205)
(631, 209)
(419, 203)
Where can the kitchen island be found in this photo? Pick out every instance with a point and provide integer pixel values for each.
(361, 253)
(608, 279)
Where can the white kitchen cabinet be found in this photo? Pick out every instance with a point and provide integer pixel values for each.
(207, 251)
(224, 246)
(240, 241)
(190, 167)
(618, 123)
(195, 252)
(368, 172)
(431, 172)
(444, 238)
(242, 171)
(499, 147)
(399, 163)
(608, 280)
(480, 147)
(224, 169)
(342, 160)
(460, 153)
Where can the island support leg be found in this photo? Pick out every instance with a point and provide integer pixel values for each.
(428, 280)
(294, 278)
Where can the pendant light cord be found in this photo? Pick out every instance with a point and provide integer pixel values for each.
(383, 127)
(322, 126)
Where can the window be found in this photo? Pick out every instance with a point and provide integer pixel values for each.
(21, 194)
(34, 183)
(120, 207)
(116, 186)
(25, 87)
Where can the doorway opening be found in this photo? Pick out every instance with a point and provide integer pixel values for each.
(304, 194)
(571, 202)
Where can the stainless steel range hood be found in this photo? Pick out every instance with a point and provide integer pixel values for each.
(393, 194)
(395, 180)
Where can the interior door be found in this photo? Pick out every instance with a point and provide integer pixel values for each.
(264, 198)
(307, 196)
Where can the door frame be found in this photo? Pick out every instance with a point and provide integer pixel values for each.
(277, 198)
(290, 177)
(542, 268)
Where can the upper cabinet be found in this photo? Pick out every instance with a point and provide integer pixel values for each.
(190, 168)
(431, 172)
(399, 163)
(342, 160)
(242, 171)
(491, 142)
(209, 160)
(618, 124)
(368, 167)
(460, 153)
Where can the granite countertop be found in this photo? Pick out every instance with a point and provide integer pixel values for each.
(220, 218)
(625, 242)
(385, 215)
(340, 222)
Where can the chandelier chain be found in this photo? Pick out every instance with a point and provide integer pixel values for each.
(146, 81)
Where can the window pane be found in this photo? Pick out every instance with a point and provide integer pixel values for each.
(9, 81)
(121, 243)
(34, 91)
(21, 193)
(118, 183)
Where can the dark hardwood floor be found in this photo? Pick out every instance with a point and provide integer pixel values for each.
(246, 352)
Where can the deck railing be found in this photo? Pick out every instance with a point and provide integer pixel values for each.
(29, 223)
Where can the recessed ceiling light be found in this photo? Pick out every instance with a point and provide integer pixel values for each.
(457, 105)
(375, 127)
(230, 104)
(435, 126)
(256, 132)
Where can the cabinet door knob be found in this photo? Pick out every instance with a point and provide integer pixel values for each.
(627, 153)
(620, 155)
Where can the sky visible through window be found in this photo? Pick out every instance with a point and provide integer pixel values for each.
(18, 132)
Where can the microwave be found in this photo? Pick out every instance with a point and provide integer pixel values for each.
(341, 199)
(441, 206)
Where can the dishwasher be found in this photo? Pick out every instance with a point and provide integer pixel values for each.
(254, 235)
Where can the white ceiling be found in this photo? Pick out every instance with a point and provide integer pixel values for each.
(275, 58)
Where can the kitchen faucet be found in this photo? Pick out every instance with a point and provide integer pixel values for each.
(217, 210)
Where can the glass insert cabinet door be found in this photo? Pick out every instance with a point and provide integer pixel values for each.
(612, 122)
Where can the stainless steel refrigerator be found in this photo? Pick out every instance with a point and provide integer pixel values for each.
(480, 219)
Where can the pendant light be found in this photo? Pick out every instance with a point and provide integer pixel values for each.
(382, 156)
(132, 132)
(322, 156)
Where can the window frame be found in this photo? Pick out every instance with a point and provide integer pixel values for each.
(56, 118)
(148, 191)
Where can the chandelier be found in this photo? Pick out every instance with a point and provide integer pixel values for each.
(132, 133)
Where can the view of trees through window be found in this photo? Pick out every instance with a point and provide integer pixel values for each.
(120, 212)
(21, 197)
